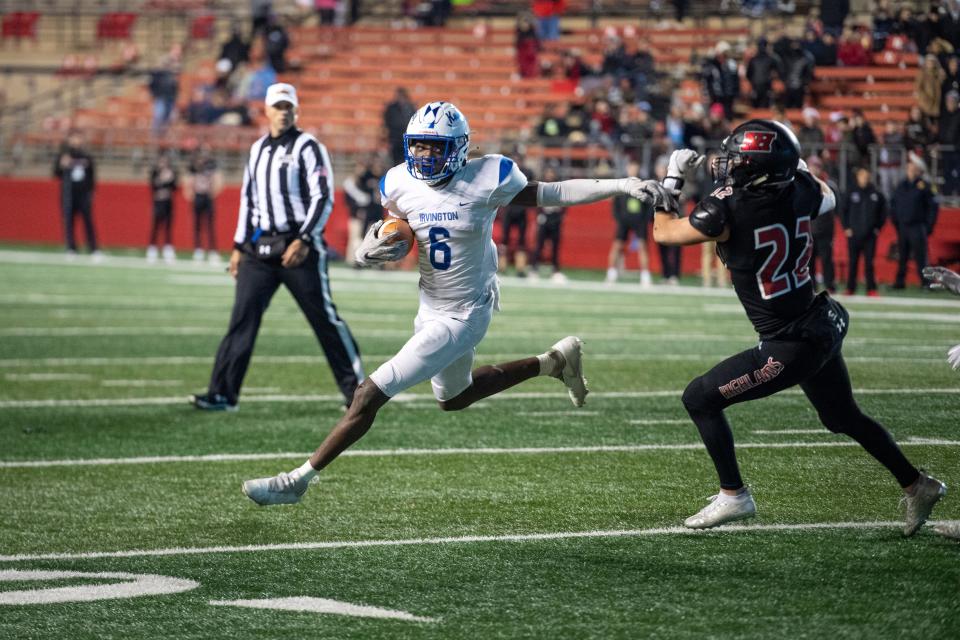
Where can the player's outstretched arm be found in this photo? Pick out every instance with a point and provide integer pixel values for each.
(567, 193)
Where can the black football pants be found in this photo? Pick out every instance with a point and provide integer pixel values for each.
(257, 281)
(823, 251)
(76, 201)
(774, 366)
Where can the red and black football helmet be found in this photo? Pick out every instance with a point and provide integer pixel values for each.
(758, 153)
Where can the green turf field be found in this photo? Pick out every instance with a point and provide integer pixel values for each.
(519, 517)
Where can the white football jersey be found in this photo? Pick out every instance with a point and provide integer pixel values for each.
(454, 226)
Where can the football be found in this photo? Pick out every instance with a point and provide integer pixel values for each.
(396, 225)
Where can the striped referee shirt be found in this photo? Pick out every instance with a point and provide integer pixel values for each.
(287, 187)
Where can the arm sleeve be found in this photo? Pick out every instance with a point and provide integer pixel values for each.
(571, 192)
(510, 182)
(316, 169)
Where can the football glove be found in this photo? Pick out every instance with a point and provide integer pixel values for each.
(682, 163)
(802, 165)
(942, 278)
(953, 357)
(652, 193)
(374, 251)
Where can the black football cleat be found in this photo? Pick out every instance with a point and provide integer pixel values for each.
(212, 402)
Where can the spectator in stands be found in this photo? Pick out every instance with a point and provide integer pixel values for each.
(635, 128)
(720, 78)
(929, 85)
(77, 173)
(952, 80)
(797, 74)
(433, 13)
(326, 10)
(363, 201)
(861, 137)
(260, 12)
(258, 81)
(913, 211)
(396, 115)
(905, 25)
(949, 139)
(862, 214)
(630, 215)
(822, 229)
(852, 51)
(883, 22)
(549, 225)
(236, 49)
(680, 9)
(810, 135)
(200, 109)
(548, 14)
(603, 125)
(201, 187)
(573, 65)
(552, 130)
(916, 132)
(528, 48)
(823, 48)
(889, 158)
(163, 184)
(760, 73)
(164, 86)
(833, 13)
(276, 42)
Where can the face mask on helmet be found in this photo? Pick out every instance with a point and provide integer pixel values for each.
(758, 154)
(442, 127)
(437, 165)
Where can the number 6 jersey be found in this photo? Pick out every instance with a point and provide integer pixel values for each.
(453, 224)
(769, 248)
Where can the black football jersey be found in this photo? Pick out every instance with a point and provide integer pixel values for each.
(769, 248)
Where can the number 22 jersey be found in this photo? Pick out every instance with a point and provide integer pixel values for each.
(769, 248)
(453, 225)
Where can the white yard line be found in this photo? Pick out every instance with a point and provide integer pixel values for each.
(523, 537)
(410, 397)
(141, 383)
(661, 421)
(311, 604)
(461, 451)
(96, 361)
(45, 377)
(346, 277)
(788, 431)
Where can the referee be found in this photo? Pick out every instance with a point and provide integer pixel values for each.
(286, 200)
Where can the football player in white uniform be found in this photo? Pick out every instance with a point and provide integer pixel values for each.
(450, 203)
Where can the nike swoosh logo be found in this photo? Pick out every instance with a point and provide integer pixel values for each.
(463, 204)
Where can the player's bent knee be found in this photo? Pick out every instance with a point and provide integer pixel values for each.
(453, 404)
(695, 398)
(844, 420)
(368, 398)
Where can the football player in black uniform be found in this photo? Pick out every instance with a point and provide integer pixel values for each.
(759, 214)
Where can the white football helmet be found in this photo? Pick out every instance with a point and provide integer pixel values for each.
(437, 121)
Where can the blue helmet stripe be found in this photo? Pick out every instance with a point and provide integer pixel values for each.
(506, 166)
(383, 185)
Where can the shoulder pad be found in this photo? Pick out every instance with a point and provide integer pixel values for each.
(709, 217)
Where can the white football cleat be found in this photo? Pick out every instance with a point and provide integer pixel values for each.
(279, 489)
(948, 529)
(723, 509)
(571, 368)
(929, 491)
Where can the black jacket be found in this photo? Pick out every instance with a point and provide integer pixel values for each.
(914, 205)
(863, 211)
(79, 174)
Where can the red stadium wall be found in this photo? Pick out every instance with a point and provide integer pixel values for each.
(122, 216)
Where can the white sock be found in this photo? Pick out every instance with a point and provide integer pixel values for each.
(305, 471)
(549, 365)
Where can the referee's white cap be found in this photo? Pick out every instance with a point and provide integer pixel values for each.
(281, 92)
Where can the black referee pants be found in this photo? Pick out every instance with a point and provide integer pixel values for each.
(257, 281)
